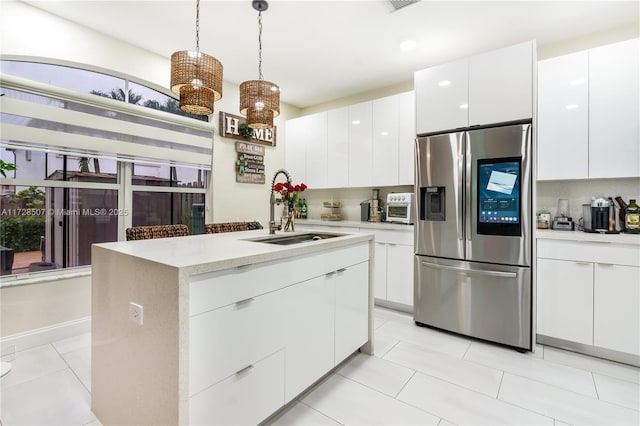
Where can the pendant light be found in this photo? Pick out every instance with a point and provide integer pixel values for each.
(259, 99)
(196, 77)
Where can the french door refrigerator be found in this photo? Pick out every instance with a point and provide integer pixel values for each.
(473, 233)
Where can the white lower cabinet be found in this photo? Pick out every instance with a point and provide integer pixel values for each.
(616, 315)
(393, 275)
(400, 273)
(589, 293)
(565, 300)
(352, 307)
(260, 350)
(245, 398)
(309, 326)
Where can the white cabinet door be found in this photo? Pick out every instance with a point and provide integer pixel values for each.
(614, 110)
(245, 398)
(442, 97)
(563, 117)
(360, 145)
(380, 271)
(617, 308)
(385, 141)
(338, 148)
(400, 274)
(295, 158)
(315, 135)
(406, 137)
(308, 311)
(565, 300)
(501, 85)
(352, 307)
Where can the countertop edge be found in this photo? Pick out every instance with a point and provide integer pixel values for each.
(579, 236)
(235, 256)
(357, 224)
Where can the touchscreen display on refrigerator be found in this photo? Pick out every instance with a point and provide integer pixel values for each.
(499, 196)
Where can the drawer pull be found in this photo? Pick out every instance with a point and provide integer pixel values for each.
(245, 301)
(330, 274)
(583, 263)
(341, 270)
(605, 264)
(244, 370)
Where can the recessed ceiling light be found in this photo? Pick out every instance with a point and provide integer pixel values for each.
(408, 45)
(464, 106)
(577, 82)
(384, 133)
(571, 106)
(444, 83)
(355, 122)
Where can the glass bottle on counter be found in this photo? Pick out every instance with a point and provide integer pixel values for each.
(632, 218)
(303, 209)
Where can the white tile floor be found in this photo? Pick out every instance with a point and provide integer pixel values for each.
(418, 376)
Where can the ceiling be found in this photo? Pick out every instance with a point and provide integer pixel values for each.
(319, 50)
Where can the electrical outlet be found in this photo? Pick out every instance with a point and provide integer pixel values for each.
(136, 313)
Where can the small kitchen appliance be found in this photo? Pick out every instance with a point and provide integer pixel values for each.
(400, 207)
(563, 221)
(375, 206)
(602, 216)
(365, 210)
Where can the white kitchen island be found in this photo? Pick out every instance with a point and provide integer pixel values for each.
(230, 329)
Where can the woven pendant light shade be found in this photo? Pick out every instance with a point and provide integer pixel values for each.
(196, 100)
(196, 69)
(259, 118)
(262, 99)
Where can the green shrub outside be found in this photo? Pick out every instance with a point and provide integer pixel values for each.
(22, 233)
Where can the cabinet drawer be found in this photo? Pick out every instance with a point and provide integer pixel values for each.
(586, 251)
(394, 237)
(221, 288)
(246, 397)
(227, 339)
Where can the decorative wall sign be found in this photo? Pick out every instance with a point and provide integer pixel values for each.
(235, 127)
(250, 163)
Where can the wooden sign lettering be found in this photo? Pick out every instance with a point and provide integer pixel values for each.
(231, 127)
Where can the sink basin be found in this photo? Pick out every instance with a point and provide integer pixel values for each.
(285, 240)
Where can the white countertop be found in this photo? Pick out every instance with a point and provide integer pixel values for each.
(212, 252)
(550, 234)
(357, 224)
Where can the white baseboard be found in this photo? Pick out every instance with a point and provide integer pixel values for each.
(42, 336)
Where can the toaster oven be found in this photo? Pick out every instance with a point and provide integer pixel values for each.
(400, 207)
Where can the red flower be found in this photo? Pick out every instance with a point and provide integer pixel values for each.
(288, 192)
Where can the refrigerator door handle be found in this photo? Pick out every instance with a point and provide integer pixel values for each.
(471, 271)
(461, 193)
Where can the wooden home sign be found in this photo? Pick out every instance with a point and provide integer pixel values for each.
(231, 126)
(250, 163)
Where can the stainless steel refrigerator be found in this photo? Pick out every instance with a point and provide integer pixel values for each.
(473, 233)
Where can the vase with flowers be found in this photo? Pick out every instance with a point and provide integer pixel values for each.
(288, 196)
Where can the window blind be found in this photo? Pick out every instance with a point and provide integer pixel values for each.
(42, 117)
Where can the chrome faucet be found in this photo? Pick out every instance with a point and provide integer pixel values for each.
(272, 202)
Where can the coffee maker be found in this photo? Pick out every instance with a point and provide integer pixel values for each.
(602, 216)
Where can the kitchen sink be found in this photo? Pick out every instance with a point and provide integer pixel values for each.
(285, 240)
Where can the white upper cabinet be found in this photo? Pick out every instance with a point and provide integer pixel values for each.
(295, 148)
(493, 87)
(614, 110)
(367, 144)
(442, 97)
(338, 148)
(406, 137)
(563, 117)
(360, 145)
(316, 152)
(385, 141)
(501, 85)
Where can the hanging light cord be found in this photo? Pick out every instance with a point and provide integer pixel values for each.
(198, 26)
(260, 45)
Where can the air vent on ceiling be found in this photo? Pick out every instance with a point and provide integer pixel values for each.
(399, 4)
